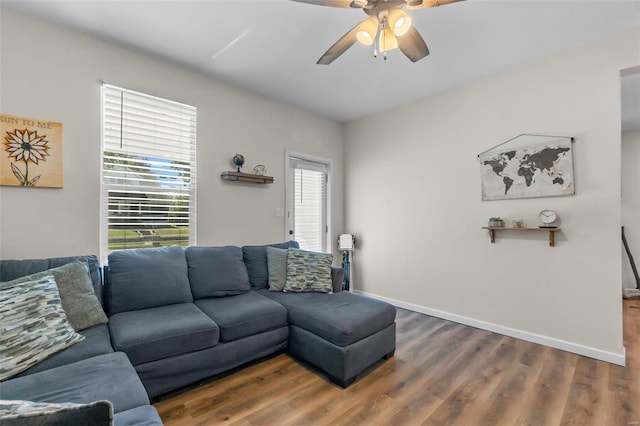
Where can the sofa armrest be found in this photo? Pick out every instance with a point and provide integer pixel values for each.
(337, 275)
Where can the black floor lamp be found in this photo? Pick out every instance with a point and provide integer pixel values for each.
(346, 243)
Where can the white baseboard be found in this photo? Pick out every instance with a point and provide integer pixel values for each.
(618, 359)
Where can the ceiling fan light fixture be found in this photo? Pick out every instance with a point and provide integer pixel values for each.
(399, 22)
(387, 40)
(368, 30)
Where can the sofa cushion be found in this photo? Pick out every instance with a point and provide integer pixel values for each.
(161, 332)
(145, 415)
(308, 271)
(244, 315)
(12, 269)
(255, 258)
(342, 318)
(96, 342)
(216, 271)
(110, 377)
(33, 325)
(146, 278)
(80, 304)
(22, 413)
(277, 266)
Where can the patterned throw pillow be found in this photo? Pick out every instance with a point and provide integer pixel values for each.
(79, 301)
(277, 265)
(33, 325)
(308, 271)
(44, 413)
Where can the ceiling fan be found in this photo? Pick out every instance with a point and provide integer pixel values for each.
(388, 27)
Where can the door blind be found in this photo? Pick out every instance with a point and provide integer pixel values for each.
(310, 204)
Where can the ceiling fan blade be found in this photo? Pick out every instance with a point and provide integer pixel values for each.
(339, 47)
(421, 4)
(332, 3)
(412, 45)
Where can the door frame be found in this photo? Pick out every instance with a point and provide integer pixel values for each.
(289, 199)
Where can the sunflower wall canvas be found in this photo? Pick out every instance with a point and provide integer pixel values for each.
(31, 152)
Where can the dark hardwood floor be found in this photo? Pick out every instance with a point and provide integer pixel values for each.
(443, 373)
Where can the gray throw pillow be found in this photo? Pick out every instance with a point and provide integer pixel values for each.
(33, 325)
(308, 271)
(277, 266)
(79, 301)
(99, 413)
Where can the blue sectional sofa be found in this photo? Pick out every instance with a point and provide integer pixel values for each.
(178, 316)
(86, 372)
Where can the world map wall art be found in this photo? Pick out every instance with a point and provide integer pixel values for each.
(528, 166)
(31, 152)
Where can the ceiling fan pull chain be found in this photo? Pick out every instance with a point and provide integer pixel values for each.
(375, 48)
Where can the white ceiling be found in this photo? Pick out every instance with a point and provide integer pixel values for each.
(271, 46)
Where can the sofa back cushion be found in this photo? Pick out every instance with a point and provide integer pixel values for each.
(12, 269)
(146, 278)
(216, 271)
(255, 258)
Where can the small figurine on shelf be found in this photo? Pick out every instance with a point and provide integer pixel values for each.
(238, 161)
(260, 170)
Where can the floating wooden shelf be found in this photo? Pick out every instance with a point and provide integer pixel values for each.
(246, 177)
(552, 232)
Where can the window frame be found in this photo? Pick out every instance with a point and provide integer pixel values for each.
(105, 188)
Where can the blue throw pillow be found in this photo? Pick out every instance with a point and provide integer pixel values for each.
(217, 271)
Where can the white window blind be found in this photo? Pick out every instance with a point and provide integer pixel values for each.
(148, 169)
(310, 204)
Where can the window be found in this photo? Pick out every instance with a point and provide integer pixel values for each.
(307, 195)
(148, 171)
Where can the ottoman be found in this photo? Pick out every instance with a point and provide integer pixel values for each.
(342, 334)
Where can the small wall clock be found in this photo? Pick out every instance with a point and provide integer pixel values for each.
(547, 217)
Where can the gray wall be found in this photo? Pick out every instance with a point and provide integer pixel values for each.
(54, 74)
(415, 170)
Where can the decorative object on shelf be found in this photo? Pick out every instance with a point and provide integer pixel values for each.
(552, 231)
(346, 243)
(32, 152)
(528, 166)
(245, 177)
(260, 170)
(495, 222)
(238, 161)
(547, 217)
(517, 223)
